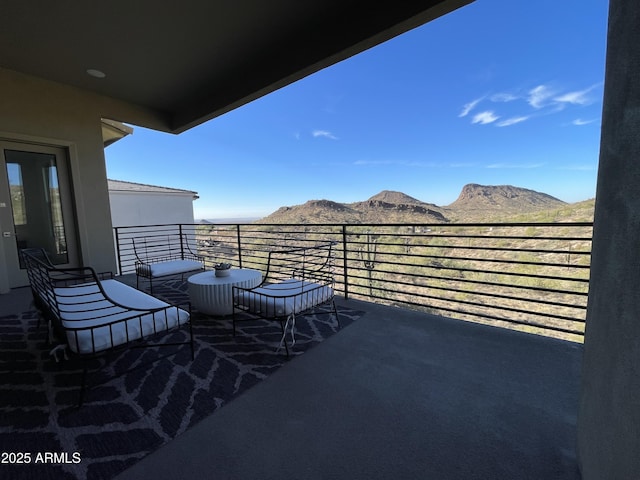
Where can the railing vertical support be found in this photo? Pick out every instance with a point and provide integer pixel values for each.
(369, 259)
(181, 241)
(118, 253)
(239, 246)
(344, 262)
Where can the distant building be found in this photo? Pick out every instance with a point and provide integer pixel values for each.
(135, 204)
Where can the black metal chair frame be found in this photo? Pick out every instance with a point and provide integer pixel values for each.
(297, 281)
(54, 292)
(163, 248)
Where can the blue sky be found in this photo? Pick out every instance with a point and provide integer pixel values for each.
(498, 92)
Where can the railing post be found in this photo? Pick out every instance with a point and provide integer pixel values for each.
(369, 259)
(181, 241)
(239, 246)
(344, 262)
(118, 253)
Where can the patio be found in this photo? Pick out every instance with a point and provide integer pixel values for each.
(396, 394)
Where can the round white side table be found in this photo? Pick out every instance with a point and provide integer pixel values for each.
(213, 295)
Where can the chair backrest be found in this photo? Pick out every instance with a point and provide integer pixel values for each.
(37, 253)
(171, 246)
(312, 263)
(38, 264)
(44, 278)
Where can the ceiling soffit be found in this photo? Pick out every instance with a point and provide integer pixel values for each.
(197, 59)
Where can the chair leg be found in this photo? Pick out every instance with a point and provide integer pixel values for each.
(193, 354)
(283, 340)
(335, 312)
(233, 321)
(286, 347)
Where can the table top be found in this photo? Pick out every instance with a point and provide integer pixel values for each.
(235, 275)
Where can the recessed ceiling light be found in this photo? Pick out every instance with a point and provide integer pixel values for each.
(96, 73)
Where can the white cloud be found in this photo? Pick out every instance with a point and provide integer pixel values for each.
(373, 162)
(485, 117)
(511, 121)
(403, 163)
(576, 98)
(462, 165)
(581, 168)
(470, 106)
(324, 133)
(542, 100)
(539, 95)
(503, 97)
(580, 97)
(579, 122)
(516, 165)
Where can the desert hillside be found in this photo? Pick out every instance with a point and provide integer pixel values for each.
(476, 203)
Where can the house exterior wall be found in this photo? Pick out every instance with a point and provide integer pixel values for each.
(42, 112)
(139, 209)
(147, 208)
(609, 415)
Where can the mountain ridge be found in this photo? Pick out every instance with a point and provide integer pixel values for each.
(475, 203)
(479, 196)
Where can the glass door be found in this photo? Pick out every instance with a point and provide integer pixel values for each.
(35, 206)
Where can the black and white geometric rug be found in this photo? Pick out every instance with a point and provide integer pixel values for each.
(139, 398)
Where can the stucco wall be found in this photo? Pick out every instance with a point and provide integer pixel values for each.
(131, 209)
(609, 416)
(37, 111)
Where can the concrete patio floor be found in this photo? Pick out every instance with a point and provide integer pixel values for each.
(396, 395)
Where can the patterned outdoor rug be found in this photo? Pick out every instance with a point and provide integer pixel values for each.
(140, 398)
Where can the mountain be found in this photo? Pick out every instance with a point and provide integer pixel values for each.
(476, 203)
(314, 211)
(503, 197)
(385, 207)
(397, 207)
(389, 196)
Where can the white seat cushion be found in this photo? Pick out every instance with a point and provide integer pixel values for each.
(84, 305)
(282, 299)
(170, 267)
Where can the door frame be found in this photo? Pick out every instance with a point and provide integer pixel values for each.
(14, 275)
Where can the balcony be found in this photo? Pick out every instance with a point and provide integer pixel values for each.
(435, 397)
(405, 391)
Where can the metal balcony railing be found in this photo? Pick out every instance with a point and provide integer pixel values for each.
(532, 277)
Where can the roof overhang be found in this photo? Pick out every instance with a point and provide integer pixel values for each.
(194, 60)
(113, 131)
(129, 188)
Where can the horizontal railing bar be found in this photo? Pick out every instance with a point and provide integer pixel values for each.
(490, 249)
(579, 307)
(429, 225)
(492, 317)
(467, 302)
(489, 260)
(485, 237)
(526, 275)
(480, 282)
(448, 300)
(487, 316)
(380, 236)
(467, 247)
